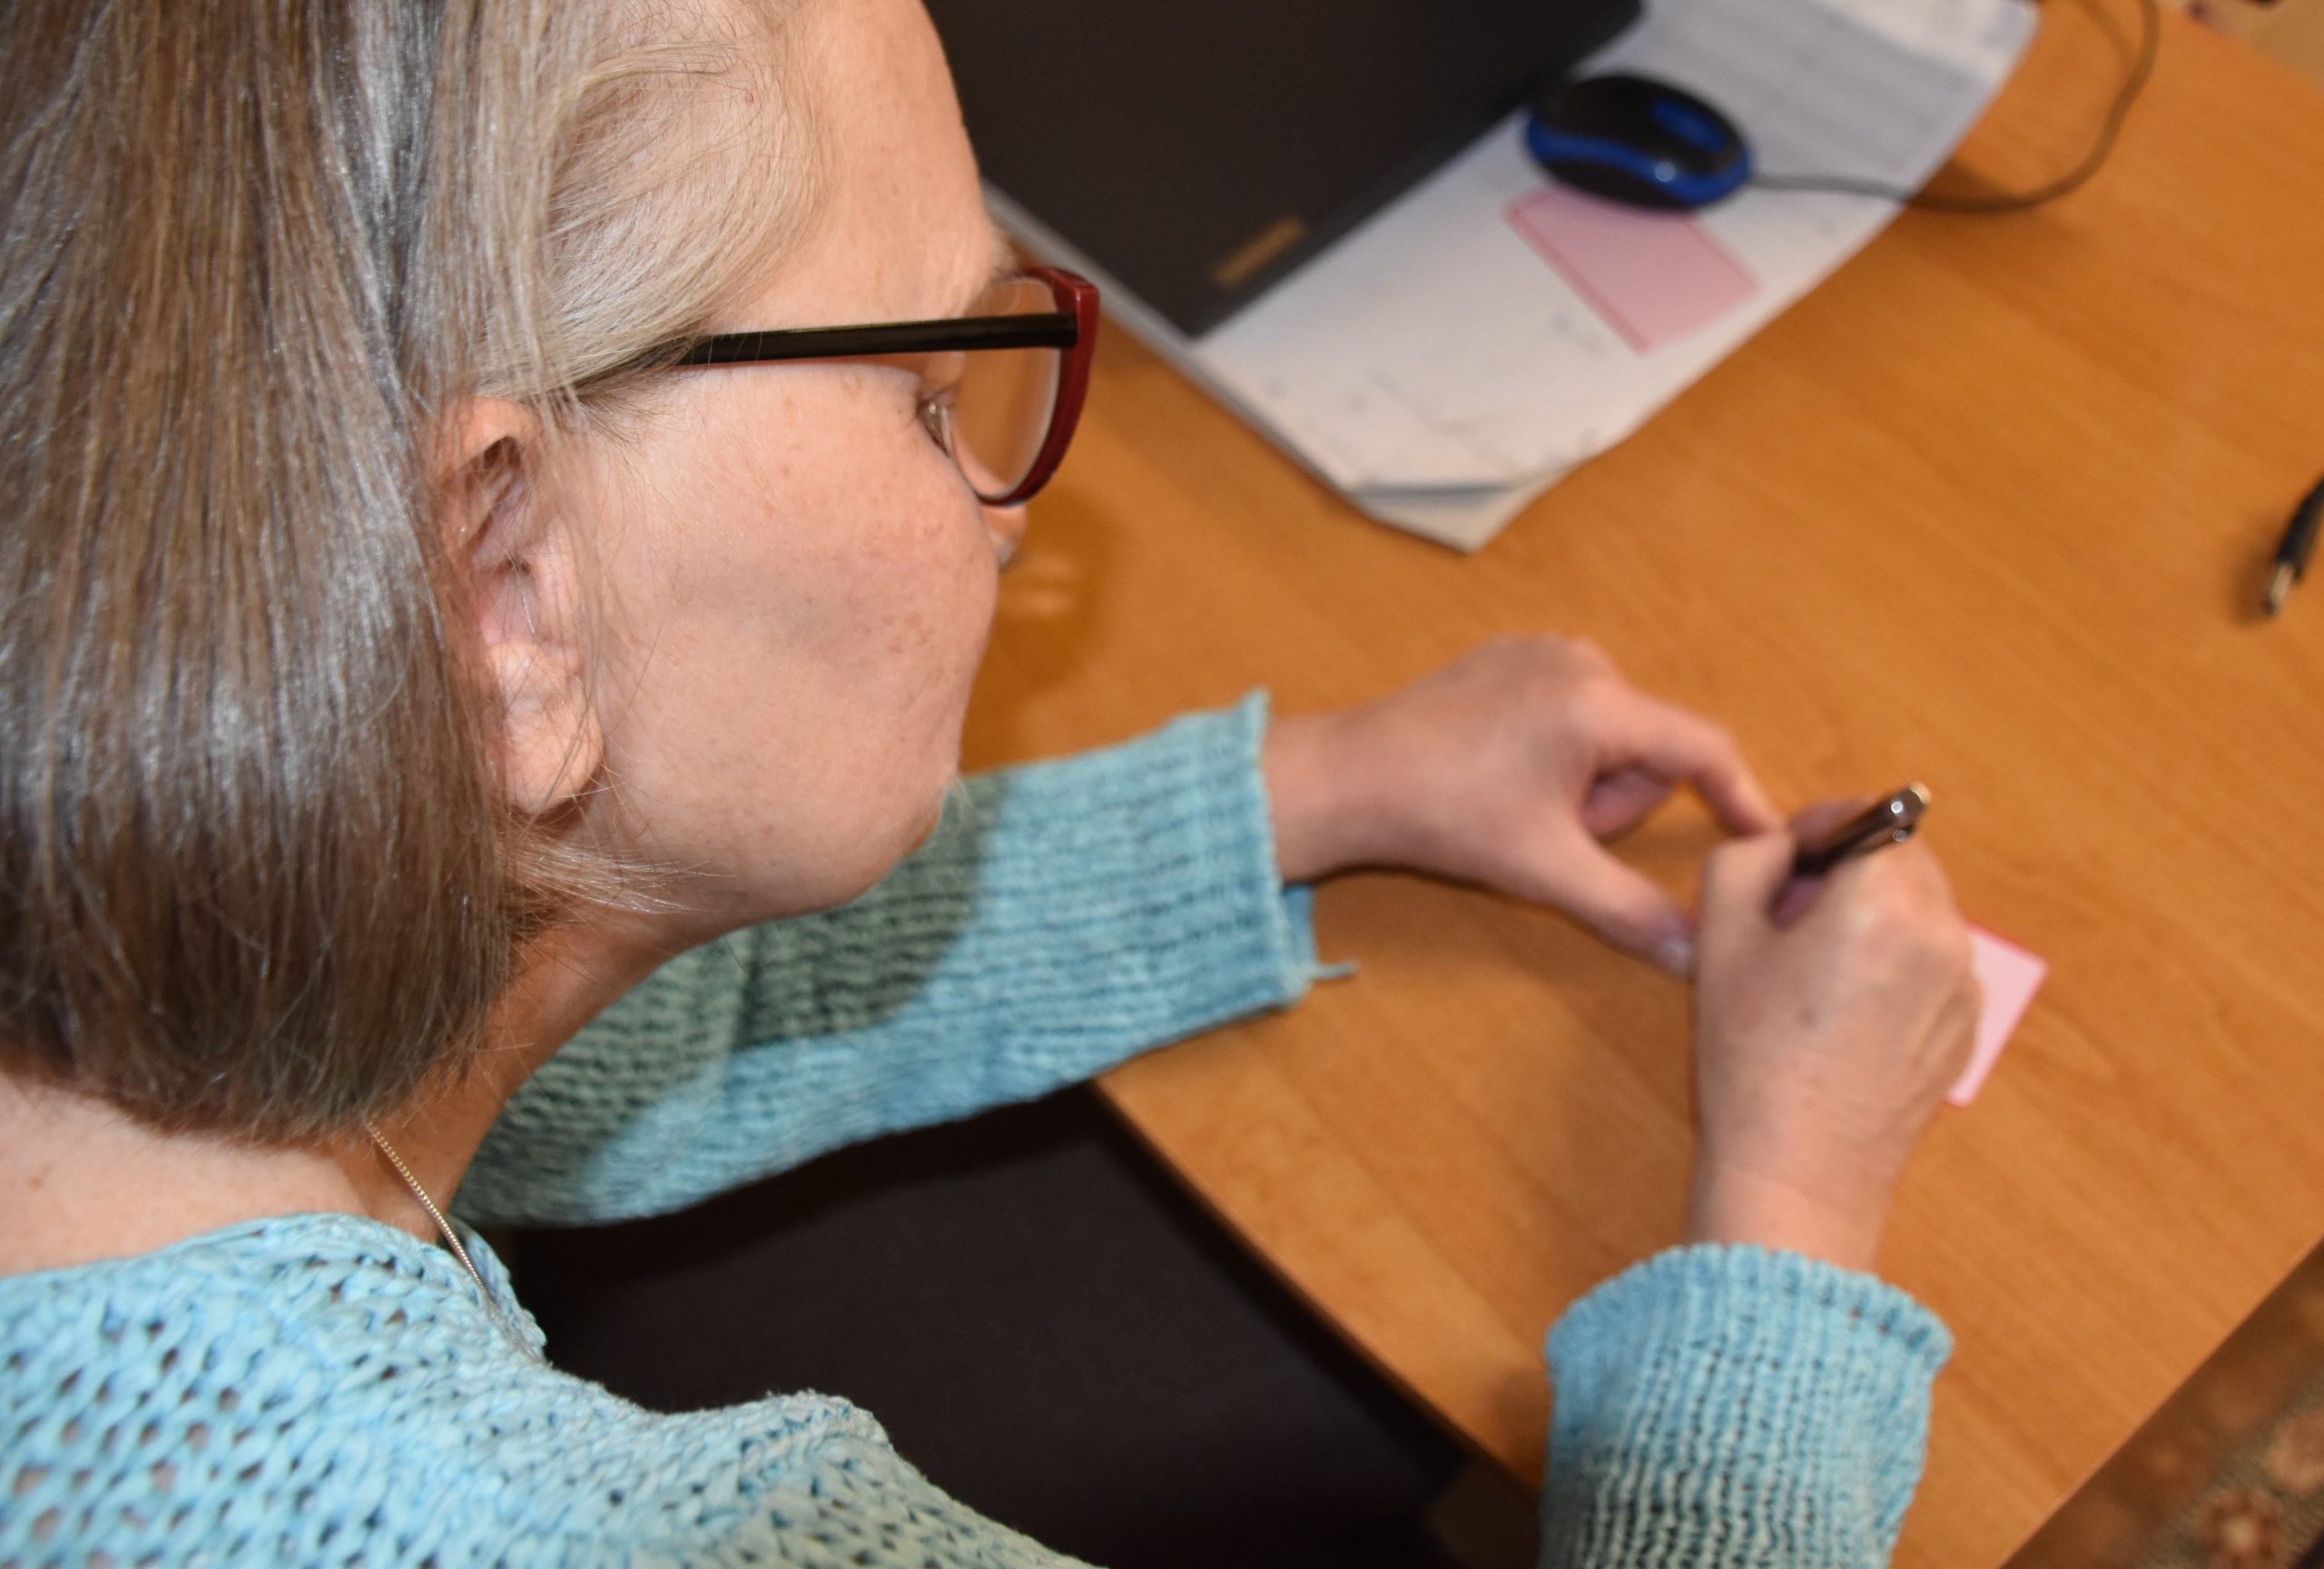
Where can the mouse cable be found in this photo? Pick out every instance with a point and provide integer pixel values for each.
(2141, 68)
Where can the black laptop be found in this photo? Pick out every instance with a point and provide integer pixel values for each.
(1199, 150)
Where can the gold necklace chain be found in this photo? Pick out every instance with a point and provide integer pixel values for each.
(444, 1226)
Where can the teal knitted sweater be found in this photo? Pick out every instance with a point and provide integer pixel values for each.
(325, 1390)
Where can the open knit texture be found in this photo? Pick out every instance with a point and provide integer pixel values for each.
(326, 1389)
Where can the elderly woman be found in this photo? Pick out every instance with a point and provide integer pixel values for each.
(440, 599)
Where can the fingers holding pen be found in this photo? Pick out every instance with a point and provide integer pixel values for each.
(1830, 1018)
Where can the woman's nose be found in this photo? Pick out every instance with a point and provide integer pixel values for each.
(1007, 527)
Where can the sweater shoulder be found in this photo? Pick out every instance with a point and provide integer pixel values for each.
(305, 1389)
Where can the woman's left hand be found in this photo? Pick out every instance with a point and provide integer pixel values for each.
(1511, 768)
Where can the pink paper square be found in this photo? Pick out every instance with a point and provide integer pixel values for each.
(2009, 976)
(1653, 276)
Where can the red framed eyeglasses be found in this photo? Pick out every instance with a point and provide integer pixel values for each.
(1002, 386)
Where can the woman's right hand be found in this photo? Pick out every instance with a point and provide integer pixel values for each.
(1828, 1024)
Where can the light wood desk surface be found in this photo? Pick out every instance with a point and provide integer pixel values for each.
(1989, 510)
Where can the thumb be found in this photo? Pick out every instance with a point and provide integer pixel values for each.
(1625, 908)
(1744, 877)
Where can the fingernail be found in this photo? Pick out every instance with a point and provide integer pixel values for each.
(1676, 954)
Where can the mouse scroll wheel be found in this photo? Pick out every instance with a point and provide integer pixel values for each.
(1688, 125)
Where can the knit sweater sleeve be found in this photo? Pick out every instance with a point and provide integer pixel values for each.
(1721, 1406)
(1064, 916)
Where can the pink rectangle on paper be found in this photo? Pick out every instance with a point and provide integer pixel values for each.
(1655, 277)
(2009, 976)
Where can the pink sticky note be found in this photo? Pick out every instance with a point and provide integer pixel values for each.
(2009, 976)
(1653, 276)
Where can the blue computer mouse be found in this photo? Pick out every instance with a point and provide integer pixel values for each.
(1638, 141)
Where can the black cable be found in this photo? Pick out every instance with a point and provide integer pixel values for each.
(2141, 68)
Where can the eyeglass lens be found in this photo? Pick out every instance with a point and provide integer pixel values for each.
(1007, 397)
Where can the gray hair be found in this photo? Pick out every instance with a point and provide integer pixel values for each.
(258, 876)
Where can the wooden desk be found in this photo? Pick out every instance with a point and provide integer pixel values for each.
(1989, 509)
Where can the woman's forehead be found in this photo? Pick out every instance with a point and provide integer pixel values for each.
(902, 231)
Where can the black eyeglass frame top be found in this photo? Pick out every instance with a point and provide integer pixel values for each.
(1072, 328)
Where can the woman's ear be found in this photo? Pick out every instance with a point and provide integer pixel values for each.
(521, 579)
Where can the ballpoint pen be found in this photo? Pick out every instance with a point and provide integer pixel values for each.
(2292, 552)
(1889, 821)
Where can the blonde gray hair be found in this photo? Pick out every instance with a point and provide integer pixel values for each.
(258, 877)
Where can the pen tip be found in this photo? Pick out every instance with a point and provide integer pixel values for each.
(2279, 587)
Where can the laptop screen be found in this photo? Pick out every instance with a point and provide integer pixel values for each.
(1199, 150)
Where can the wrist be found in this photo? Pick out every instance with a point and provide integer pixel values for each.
(1838, 1221)
(1314, 801)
